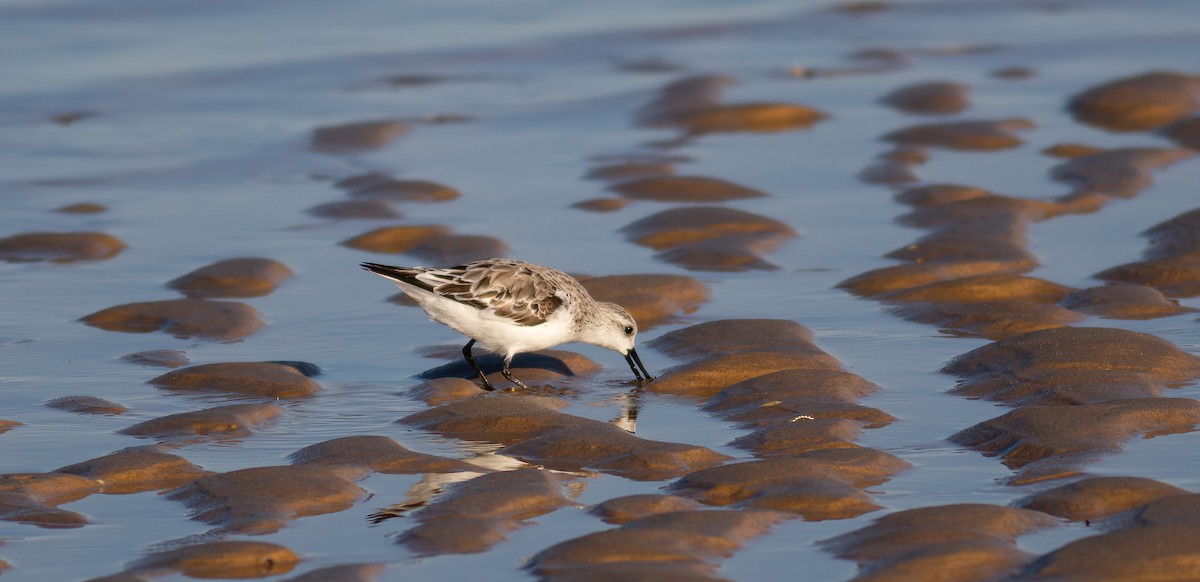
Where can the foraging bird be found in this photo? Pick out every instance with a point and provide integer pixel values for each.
(510, 307)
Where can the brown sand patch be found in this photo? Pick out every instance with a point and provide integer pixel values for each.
(356, 209)
(999, 237)
(896, 277)
(1178, 236)
(990, 210)
(1067, 151)
(234, 420)
(706, 377)
(684, 189)
(727, 254)
(394, 239)
(622, 510)
(951, 542)
(458, 249)
(786, 395)
(82, 208)
(164, 358)
(602, 204)
(1166, 552)
(913, 156)
(1013, 73)
(1123, 301)
(73, 117)
(728, 336)
(382, 187)
(33, 498)
(1119, 173)
(726, 352)
(754, 354)
(266, 379)
(929, 98)
(534, 430)
(476, 514)
(648, 65)
(889, 172)
(741, 117)
(357, 136)
(994, 370)
(1067, 437)
(989, 319)
(434, 244)
(1066, 386)
(801, 436)
(984, 288)
(938, 194)
(710, 238)
(60, 247)
(983, 135)
(1167, 510)
(895, 167)
(86, 405)
(771, 413)
(439, 391)
(262, 500)
(649, 571)
(342, 573)
(137, 469)
(1172, 263)
(860, 7)
(818, 485)
(650, 299)
(1138, 103)
(1185, 132)
(1098, 497)
(688, 541)
(678, 226)
(182, 318)
(1175, 277)
(620, 172)
(978, 235)
(225, 559)
(693, 104)
(246, 277)
(377, 453)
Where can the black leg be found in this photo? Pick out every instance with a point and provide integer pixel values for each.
(509, 375)
(471, 360)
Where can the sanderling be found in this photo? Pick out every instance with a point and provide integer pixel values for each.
(510, 307)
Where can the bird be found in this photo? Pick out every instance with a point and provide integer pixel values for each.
(509, 307)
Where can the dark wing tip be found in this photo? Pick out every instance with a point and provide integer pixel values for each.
(391, 272)
(399, 274)
(386, 270)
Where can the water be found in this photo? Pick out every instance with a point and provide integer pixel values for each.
(198, 116)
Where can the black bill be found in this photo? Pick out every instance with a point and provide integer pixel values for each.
(632, 358)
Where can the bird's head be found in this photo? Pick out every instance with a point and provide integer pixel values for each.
(617, 331)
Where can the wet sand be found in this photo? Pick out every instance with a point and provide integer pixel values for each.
(919, 281)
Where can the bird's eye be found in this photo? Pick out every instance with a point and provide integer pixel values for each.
(629, 330)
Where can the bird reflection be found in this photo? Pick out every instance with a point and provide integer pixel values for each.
(433, 484)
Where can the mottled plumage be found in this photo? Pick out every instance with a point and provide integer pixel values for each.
(510, 307)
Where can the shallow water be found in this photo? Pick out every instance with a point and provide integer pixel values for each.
(198, 147)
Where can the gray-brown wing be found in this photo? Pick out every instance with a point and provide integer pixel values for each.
(524, 293)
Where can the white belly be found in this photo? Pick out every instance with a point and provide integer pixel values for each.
(492, 333)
